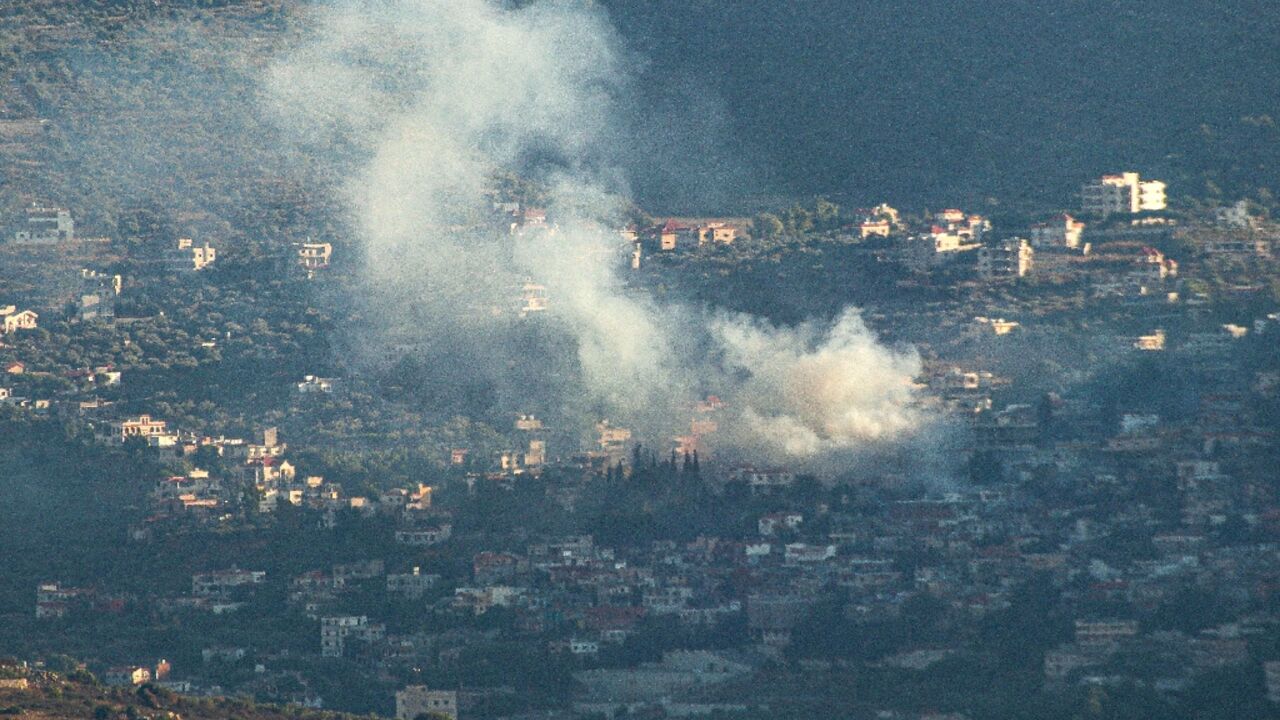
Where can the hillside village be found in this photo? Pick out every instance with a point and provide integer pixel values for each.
(1113, 368)
(224, 480)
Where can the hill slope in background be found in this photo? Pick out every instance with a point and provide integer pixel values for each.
(926, 100)
(108, 104)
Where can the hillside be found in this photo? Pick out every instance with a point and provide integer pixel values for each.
(922, 102)
(41, 695)
(138, 113)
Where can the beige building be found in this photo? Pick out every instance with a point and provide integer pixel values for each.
(189, 256)
(1010, 258)
(314, 256)
(11, 320)
(142, 426)
(1122, 193)
(417, 700)
(880, 228)
(1059, 231)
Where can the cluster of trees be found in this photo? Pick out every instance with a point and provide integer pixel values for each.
(798, 220)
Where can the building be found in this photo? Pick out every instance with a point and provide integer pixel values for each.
(666, 237)
(1236, 244)
(1153, 342)
(221, 583)
(313, 384)
(314, 256)
(337, 632)
(762, 481)
(425, 536)
(127, 675)
(189, 256)
(533, 299)
(1010, 258)
(999, 326)
(1104, 632)
(719, 233)
(773, 523)
(612, 441)
(1059, 231)
(879, 221)
(877, 227)
(97, 297)
(412, 585)
(1152, 266)
(1235, 216)
(46, 225)
(1271, 671)
(952, 234)
(1124, 193)
(12, 320)
(416, 700)
(53, 600)
(154, 432)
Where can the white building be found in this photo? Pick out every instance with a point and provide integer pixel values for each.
(11, 320)
(314, 256)
(1123, 193)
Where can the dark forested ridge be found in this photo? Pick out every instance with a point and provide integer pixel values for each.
(918, 101)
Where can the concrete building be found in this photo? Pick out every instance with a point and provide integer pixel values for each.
(97, 296)
(46, 225)
(1006, 259)
(186, 255)
(142, 426)
(314, 256)
(1124, 193)
(877, 227)
(1272, 674)
(416, 700)
(337, 632)
(412, 584)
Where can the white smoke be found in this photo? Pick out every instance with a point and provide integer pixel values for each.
(430, 98)
(811, 390)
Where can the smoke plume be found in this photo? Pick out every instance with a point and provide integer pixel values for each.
(424, 101)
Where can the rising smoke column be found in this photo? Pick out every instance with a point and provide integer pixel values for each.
(430, 98)
(814, 390)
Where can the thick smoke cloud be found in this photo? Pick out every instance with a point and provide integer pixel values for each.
(811, 390)
(428, 99)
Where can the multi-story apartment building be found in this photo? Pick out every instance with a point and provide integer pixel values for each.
(1124, 193)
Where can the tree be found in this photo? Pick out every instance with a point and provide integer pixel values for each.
(767, 226)
(827, 212)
